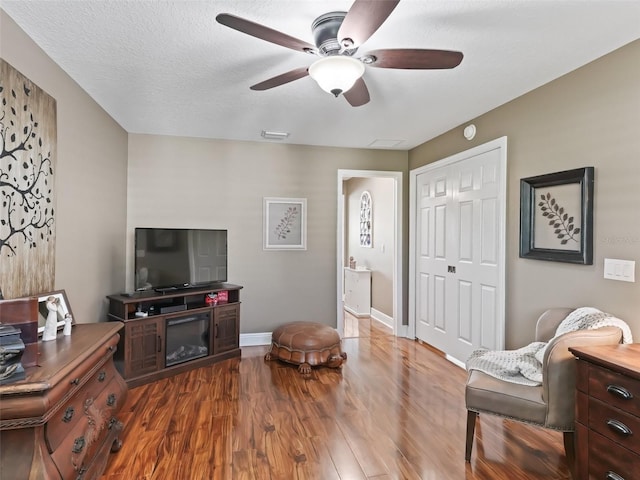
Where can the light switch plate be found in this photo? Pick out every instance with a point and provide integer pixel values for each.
(623, 270)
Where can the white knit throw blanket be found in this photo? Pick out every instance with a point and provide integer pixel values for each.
(524, 365)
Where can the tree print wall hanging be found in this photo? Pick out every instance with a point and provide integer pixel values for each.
(556, 216)
(285, 223)
(28, 136)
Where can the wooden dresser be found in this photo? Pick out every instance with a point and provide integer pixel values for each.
(59, 423)
(608, 412)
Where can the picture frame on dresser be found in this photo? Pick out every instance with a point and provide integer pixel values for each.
(64, 309)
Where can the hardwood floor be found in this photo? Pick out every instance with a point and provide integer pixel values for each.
(361, 326)
(394, 411)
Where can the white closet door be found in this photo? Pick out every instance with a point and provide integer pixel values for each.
(459, 254)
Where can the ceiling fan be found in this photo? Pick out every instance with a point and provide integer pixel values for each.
(337, 36)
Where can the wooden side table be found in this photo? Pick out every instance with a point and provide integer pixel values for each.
(608, 412)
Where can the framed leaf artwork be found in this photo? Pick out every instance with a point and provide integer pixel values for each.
(556, 216)
(284, 223)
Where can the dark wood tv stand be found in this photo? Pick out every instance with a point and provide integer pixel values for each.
(142, 352)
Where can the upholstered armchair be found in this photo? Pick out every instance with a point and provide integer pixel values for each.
(550, 405)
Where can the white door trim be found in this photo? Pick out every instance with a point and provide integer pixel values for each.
(499, 143)
(398, 313)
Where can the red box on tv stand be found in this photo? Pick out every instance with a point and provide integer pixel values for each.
(223, 296)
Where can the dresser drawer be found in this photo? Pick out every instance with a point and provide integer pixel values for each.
(607, 459)
(93, 424)
(615, 424)
(615, 389)
(70, 413)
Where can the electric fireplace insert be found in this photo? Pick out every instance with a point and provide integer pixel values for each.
(187, 338)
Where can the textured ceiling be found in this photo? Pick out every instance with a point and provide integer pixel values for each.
(167, 67)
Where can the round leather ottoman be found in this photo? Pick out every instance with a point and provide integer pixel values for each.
(307, 344)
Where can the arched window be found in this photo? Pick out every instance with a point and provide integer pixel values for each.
(366, 220)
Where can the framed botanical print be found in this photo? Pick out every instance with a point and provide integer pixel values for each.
(284, 223)
(556, 216)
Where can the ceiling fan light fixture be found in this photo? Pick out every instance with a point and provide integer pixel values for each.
(336, 74)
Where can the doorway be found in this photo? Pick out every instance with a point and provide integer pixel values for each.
(457, 251)
(396, 227)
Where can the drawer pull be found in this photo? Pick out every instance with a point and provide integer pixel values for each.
(619, 391)
(619, 427)
(68, 414)
(111, 400)
(111, 348)
(83, 470)
(613, 476)
(78, 445)
(101, 376)
(75, 381)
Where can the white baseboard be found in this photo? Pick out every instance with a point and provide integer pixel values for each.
(382, 318)
(455, 361)
(264, 338)
(255, 339)
(357, 314)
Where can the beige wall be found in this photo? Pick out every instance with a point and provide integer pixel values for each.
(378, 258)
(91, 181)
(189, 182)
(589, 117)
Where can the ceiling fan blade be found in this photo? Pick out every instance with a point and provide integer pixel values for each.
(278, 80)
(362, 20)
(264, 33)
(358, 95)
(414, 58)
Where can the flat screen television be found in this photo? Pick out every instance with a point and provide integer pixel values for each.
(170, 258)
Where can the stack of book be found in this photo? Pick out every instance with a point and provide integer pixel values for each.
(11, 349)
